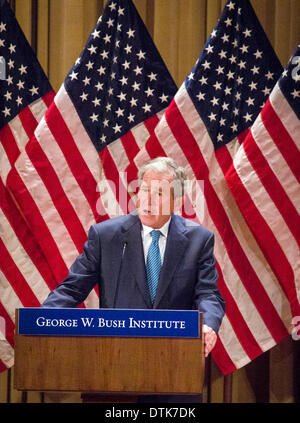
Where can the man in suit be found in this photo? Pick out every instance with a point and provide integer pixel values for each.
(151, 258)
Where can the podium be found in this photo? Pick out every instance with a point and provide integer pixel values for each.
(118, 364)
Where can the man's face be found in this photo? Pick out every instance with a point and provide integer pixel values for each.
(155, 199)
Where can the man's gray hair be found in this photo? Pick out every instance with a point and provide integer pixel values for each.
(166, 165)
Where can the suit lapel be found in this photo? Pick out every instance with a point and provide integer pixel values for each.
(133, 259)
(175, 248)
(129, 242)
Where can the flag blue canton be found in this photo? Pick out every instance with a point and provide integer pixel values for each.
(22, 79)
(119, 80)
(234, 75)
(290, 82)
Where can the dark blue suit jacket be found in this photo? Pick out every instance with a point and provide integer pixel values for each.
(113, 258)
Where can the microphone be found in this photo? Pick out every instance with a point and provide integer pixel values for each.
(119, 274)
(124, 248)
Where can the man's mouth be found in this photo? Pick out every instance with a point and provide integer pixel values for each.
(148, 212)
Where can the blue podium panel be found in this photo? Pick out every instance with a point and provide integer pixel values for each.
(109, 322)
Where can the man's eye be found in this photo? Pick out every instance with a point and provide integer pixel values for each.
(153, 193)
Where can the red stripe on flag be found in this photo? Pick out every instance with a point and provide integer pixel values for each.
(237, 255)
(12, 273)
(9, 144)
(78, 166)
(272, 185)
(224, 158)
(25, 236)
(132, 149)
(265, 238)
(38, 225)
(154, 148)
(3, 367)
(242, 136)
(132, 170)
(9, 326)
(48, 98)
(151, 123)
(28, 120)
(223, 154)
(281, 138)
(56, 192)
(238, 323)
(221, 357)
(113, 178)
(130, 145)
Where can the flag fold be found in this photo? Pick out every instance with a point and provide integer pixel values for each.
(203, 129)
(72, 172)
(25, 275)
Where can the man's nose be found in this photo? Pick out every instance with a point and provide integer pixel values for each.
(153, 197)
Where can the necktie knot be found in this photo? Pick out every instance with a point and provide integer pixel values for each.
(155, 235)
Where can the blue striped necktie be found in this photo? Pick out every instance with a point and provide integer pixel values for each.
(153, 264)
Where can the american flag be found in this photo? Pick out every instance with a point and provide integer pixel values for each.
(70, 175)
(270, 199)
(202, 129)
(25, 276)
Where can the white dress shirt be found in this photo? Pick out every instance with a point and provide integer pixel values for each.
(147, 239)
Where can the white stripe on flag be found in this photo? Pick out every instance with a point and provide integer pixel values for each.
(232, 345)
(38, 109)
(141, 134)
(5, 166)
(22, 260)
(118, 154)
(47, 209)
(9, 298)
(267, 208)
(238, 224)
(79, 134)
(64, 174)
(286, 114)
(276, 161)
(6, 353)
(232, 280)
(19, 132)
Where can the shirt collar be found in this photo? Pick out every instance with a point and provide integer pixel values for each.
(164, 229)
